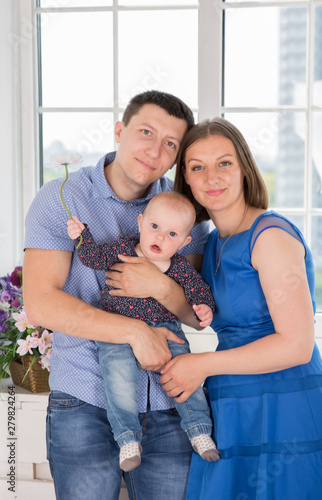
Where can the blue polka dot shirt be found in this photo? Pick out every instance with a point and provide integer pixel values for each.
(74, 362)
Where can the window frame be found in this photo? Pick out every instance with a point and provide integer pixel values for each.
(210, 84)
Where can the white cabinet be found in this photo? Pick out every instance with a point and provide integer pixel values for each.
(23, 446)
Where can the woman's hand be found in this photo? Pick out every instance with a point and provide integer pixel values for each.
(183, 375)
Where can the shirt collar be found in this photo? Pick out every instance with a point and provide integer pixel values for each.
(104, 190)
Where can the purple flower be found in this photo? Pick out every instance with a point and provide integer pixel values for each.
(15, 303)
(16, 277)
(3, 316)
(5, 296)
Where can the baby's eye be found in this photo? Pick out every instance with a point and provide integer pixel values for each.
(172, 234)
(154, 226)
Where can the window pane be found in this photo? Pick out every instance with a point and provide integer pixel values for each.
(316, 247)
(156, 3)
(75, 3)
(317, 161)
(278, 151)
(257, 1)
(162, 54)
(267, 66)
(90, 134)
(317, 85)
(77, 59)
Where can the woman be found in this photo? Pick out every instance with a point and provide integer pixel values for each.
(265, 378)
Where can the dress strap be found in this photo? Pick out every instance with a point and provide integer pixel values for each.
(270, 221)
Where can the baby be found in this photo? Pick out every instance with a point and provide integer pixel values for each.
(164, 228)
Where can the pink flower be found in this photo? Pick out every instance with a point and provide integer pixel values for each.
(43, 360)
(27, 345)
(22, 321)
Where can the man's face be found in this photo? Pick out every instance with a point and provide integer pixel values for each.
(148, 146)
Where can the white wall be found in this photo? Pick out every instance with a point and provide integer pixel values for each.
(9, 241)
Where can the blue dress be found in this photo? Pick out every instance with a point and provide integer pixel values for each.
(268, 427)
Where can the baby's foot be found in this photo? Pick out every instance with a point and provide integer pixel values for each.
(205, 447)
(130, 456)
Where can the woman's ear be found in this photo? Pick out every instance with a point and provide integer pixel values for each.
(183, 170)
(140, 217)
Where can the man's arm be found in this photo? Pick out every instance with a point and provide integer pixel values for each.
(46, 304)
(137, 277)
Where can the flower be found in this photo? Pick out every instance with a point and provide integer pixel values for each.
(22, 321)
(65, 159)
(18, 337)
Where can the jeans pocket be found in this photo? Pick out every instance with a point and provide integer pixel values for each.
(173, 411)
(62, 401)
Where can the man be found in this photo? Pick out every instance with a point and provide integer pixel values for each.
(59, 293)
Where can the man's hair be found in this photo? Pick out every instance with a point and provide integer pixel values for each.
(170, 103)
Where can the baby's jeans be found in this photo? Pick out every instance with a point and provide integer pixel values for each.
(121, 370)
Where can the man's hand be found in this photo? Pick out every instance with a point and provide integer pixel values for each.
(135, 277)
(150, 346)
(204, 313)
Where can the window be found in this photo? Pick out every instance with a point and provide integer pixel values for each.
(258, 63)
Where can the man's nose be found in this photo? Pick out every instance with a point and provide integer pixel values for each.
(154, 148)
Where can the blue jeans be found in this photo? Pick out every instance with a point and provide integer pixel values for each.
(84, 457)
(120, 371)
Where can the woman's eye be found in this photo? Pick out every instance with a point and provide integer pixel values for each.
(225, 163)
(196, 168)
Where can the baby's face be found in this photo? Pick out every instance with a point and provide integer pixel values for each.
(163, 231)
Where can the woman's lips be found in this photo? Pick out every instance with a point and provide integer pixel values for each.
(215, 192)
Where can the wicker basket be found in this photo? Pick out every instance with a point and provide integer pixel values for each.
(37, 378)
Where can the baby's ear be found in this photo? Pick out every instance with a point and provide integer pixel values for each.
(186, 242)
(140, 217)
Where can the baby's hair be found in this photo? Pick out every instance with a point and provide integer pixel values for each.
(177, 201)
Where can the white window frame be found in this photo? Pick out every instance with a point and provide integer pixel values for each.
(210, 84)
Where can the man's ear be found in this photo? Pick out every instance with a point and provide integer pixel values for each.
(187, 241)
(140, 217)
(119, 126)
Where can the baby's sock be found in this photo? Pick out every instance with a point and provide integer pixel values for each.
(205, 447)
(130, 456)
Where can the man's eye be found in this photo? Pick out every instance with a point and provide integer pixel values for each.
(146, 132)
(171, 144)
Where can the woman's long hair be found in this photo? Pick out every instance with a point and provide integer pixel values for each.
(255, 191)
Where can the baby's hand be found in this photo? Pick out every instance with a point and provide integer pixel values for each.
(75, 227)
(204, 313)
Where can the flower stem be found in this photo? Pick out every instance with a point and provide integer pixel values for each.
(61, 197)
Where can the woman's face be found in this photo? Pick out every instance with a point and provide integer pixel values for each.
(214, 174)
